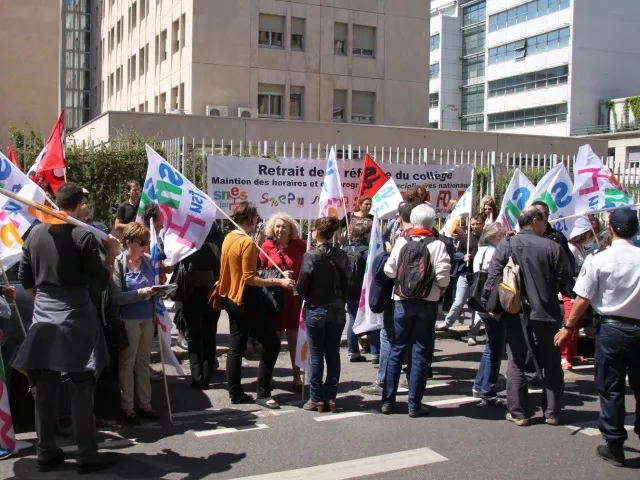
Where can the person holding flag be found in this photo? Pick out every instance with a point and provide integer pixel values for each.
(324, 281)
(66, 334)
(363, 211)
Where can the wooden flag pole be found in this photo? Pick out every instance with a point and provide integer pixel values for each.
(13, 303)
(592, 212)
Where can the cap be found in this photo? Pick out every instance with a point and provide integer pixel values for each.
(85, 191)
(624, 222)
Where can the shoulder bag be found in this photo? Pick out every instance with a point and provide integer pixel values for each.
(479, 278)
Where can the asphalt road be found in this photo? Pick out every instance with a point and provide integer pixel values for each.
(210, 438)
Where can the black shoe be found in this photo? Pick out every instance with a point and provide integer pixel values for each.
(493, 402)
(358, 359)
(100, 462)
(151, 414)
(612, 453)
(429, 373)
(423, 411)
(48, 465)
(375, 361)
(132, 418)
(244, 398)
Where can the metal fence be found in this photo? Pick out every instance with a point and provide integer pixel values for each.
(493, 170)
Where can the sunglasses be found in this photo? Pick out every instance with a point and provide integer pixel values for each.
(144, 243)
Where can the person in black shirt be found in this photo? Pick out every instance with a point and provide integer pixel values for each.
(59, 264)
(128, 210)
(553, 234)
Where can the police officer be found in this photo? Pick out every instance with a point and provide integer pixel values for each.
(610, 282)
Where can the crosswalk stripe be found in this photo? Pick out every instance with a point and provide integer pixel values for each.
(452, 401)
(590, 431)
(357, 468)
(126, 442)
(341, 416)
(226, 430)
(583, 367)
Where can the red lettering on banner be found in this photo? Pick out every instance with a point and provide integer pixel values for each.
(443, 198)
(595, 174)
(181, 230)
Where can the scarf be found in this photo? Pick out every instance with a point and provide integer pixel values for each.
(419, 232)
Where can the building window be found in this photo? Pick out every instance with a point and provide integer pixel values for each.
(633, 156)
(174, 100)
(134, 14)
(270, 100)
(473, 40)
(339, 105)
(473, 14)
(472, 69)
(271, 31)
(141, 67)
(434, 70)
(112, 38)
(141, 107)
(528, 117)
(362, 106)
(163, 45)
(118, 79)
(529, 81)
(434, 42)
(110, 85)
(473, 124)
(473, 100)
(364, 41)
(530, 46)
(119, 31)
(143, 10)
(175, 36)
(162, 105)
(157, 51)
(433, 124)
(340, 33)
(296, 96)
(434, 98)
(133, 67)
(183, 29)
(528, 11)
(181, 97)
(297, 34)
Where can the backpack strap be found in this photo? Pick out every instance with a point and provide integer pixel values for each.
(336, 276)
(284, 261)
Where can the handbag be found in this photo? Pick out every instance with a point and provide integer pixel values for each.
(479, 279)
(273, 297)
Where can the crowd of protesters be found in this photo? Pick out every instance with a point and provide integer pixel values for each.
(269, 279)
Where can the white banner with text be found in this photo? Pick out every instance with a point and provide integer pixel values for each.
(293, 185)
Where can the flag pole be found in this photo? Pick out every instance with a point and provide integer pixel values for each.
(473, 176)
(592, 212)
(13, 303)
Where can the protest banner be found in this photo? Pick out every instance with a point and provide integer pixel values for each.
(293, 186)
(187, 213)
(462, 208)
(515, 200)
(555, 189)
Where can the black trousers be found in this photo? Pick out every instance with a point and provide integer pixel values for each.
(201, 329)
(617, 347)
(548, 357)
(245, 321)
(44, 386)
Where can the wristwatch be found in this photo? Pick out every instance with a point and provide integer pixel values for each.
(567, 327)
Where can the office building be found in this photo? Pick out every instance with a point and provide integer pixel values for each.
(364, 61)
(530, 66)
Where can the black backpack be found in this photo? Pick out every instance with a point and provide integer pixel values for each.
(415, 271)
(357, 256)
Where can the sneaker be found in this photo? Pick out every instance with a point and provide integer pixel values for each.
(552, 420)
(472, 342)
(423, 411)
(476, 393)
(182, 342)
(493, 402)
(100, 462)
(386, 410)
(612, 453)
(373, 389)
(441, 327)
(521, 422)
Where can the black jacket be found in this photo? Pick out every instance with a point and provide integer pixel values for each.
(462, 248)
(319, 283)
(558, 237)
(544, 270)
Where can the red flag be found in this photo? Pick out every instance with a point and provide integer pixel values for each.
(12, 156)
(48, 169)
(372, 179)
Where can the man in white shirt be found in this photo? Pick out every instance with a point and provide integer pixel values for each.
(610, 282)
(414, 319)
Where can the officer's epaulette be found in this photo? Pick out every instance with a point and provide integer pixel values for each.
(599, 250)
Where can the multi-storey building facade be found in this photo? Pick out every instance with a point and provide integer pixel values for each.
(530, 66)
(354, 61)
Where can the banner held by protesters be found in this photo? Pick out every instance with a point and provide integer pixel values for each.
(515, 200)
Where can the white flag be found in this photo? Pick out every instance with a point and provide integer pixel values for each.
(556, 190)
(366, 320)
(12, 179)
(463, 207)
(515, 199)
(10, 242)
(331, 198)
(187, 212)
(387, 199)
(162, 316)
(302, 345)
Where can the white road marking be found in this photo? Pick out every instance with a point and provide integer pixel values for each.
(217, 412)
(357, 468)
(126, 442)
(583, 367)
(590, 431)
(226, 430)
(452, 401)
(340, 416)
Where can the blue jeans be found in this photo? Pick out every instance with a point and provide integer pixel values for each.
(489, 368)
(325, 324)
(385, 344)
(352, 339)
(461, 297)
(414, 324)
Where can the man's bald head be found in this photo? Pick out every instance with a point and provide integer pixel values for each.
(532, 218)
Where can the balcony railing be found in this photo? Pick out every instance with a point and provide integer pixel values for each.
(596, 129)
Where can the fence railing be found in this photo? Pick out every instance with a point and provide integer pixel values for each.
(493, 170)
